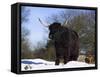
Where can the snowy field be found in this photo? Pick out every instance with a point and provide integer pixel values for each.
(40, 64)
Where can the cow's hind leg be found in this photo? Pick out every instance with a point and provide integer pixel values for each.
(73, 58)
(65, 60)
(57, 61)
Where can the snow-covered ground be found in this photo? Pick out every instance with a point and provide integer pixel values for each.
(40, 64)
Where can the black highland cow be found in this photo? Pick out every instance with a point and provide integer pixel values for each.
(66, 42)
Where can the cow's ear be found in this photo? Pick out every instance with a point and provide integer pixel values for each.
(59, 24)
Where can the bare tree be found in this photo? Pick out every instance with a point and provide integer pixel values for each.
(25, 45)
(82, 21)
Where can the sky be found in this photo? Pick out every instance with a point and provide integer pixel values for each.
(39, 33)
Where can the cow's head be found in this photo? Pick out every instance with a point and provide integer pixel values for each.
(54, 28)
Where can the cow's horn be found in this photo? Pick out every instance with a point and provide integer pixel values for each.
(65, 22)
(44, 24)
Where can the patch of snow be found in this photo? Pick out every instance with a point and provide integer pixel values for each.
(74, 64)
(40, 64)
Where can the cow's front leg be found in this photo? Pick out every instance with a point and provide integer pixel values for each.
(57, 61)
(66, 56)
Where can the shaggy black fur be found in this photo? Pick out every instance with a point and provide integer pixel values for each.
(66, 42)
